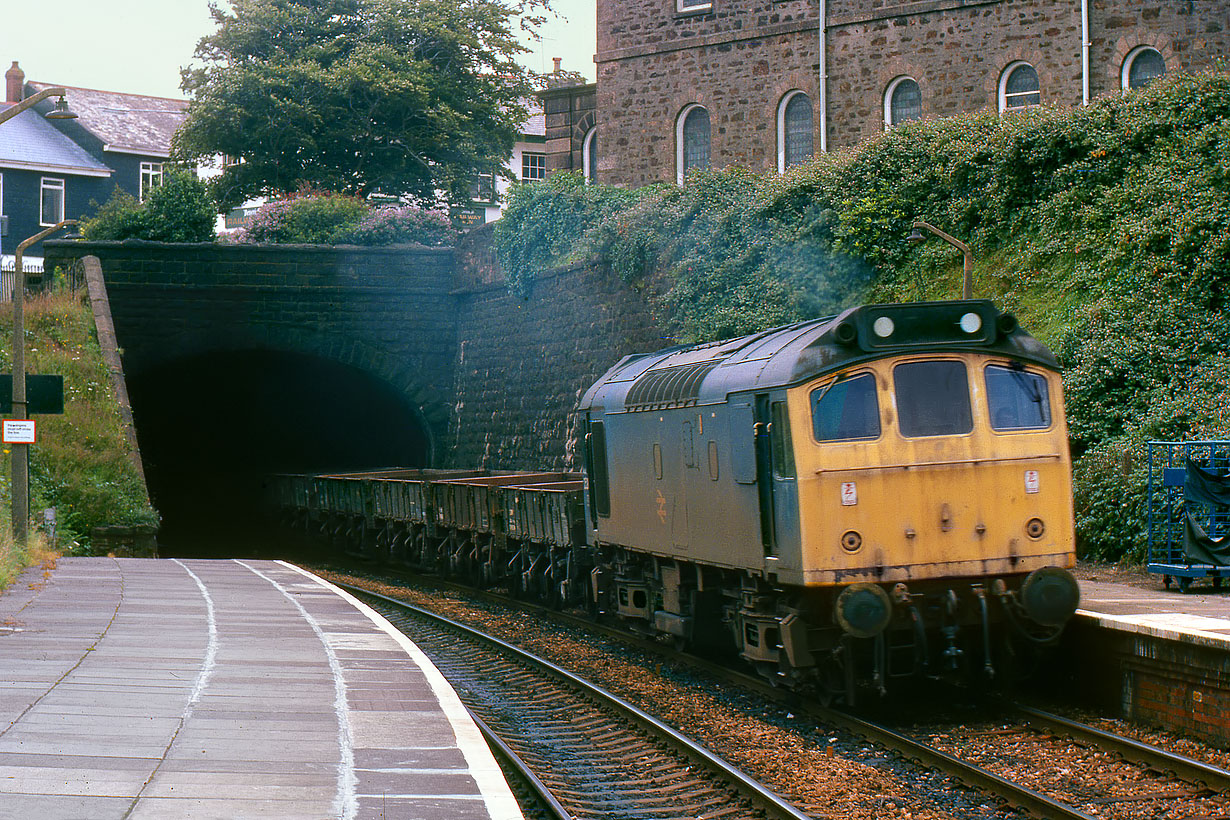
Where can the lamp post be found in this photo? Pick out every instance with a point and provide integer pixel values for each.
(967, 289)
(21, 454)
(21, 451)
(61, 112)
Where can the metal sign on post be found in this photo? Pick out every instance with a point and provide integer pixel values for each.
(44, 394)
(19, 431)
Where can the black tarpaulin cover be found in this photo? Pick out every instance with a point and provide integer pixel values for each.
(1206, 486)
(1200, 548)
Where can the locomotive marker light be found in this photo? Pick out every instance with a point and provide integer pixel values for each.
(967, 286)
(970, 323)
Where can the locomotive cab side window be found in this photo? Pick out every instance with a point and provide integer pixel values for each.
(933, 398)
(1017, 399)
(846, 409)
(783, 448)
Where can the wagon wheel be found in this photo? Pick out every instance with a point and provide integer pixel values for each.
(1184, 583)
(1166, 582)
(1216, 582)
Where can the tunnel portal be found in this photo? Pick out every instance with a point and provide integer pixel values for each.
(212, 427)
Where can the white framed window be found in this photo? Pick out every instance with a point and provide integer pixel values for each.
(691, 141)
(693, 6)
(1141, 66)
(482, 188)
(51, 201)
(1019, 87)
(589, 155)
(151, 177)
(795, 133)
(902, 101)
(533, 166)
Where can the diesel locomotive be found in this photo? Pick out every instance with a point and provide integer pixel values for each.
(883, 494)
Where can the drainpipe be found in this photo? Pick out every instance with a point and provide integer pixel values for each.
(1085, 44)
(824, 77)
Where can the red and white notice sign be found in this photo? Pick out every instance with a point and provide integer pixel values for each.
(19, 431)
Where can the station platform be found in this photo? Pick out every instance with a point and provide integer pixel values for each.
(1203, 615)
(139, 688)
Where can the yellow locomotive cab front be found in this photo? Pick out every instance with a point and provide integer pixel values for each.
(917, 467)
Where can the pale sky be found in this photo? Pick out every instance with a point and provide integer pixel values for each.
(138, 46)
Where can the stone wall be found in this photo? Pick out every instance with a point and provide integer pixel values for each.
(495, 376)
(740, 59)
(389, 312)
(523, 363)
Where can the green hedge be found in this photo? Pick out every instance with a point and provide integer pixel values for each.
(1105, 228)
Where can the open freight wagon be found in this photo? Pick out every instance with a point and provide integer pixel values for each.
(1189, 511)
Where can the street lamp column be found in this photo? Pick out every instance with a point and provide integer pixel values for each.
(21, 451)
(967, 289)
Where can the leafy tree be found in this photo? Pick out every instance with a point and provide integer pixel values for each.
(178, 210)
(404, 97)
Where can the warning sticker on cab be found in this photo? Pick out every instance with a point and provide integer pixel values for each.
(849, 494)
(1032, 483)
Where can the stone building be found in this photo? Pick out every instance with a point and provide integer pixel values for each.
(762, 84)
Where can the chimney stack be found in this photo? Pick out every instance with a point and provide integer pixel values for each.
(557, 61)
(15, 81)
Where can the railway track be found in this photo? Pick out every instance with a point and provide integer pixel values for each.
(1165, 775)
(597, 755)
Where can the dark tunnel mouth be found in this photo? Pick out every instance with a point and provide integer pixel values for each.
(212, 427)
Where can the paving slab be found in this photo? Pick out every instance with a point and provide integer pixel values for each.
(147, 688)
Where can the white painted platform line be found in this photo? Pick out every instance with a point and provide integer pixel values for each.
(501, 805)
(346, 803)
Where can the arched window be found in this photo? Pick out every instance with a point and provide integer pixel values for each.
(589, 155)
(692, 139)
(1142, 66)
(1018, 87)
(902, 101)
(795, 139)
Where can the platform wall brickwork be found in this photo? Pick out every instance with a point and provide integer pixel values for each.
(1178, 685)
(740, 59)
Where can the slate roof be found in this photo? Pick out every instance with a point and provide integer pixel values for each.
(30, 142)
(126, 123)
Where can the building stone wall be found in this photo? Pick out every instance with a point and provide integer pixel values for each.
(740, 59)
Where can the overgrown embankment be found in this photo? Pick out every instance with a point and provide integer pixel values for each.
(81, 464)
(1105, 228)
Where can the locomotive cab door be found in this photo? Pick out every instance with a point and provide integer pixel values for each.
(775, 474)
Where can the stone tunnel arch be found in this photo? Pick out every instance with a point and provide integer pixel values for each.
(214, 420)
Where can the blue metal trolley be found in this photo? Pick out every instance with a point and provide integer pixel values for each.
(1167, 509)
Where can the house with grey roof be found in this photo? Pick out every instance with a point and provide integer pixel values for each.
(65, 168)
(44, 178)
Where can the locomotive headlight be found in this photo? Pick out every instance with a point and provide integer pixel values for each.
(970, 323)
(883, 327)
(1050, 595)
(863, 610)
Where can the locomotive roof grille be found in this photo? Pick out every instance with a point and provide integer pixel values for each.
(676, 386)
